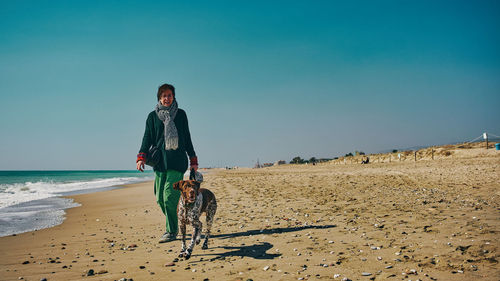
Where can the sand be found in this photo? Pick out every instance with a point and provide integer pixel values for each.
(429, 220)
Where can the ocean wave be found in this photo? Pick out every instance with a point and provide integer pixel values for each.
(11, 194)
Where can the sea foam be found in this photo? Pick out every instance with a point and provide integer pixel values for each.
(16, 193)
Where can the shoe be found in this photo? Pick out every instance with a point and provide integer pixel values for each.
(167, 237)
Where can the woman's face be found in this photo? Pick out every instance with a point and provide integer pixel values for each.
(166, 98)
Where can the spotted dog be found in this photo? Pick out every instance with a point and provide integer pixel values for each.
(194, 201)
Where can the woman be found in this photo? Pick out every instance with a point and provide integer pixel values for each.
(167, 128)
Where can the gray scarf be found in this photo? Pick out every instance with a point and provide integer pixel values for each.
(167, 115)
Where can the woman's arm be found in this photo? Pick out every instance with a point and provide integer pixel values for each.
(146, 144)
(193, 159)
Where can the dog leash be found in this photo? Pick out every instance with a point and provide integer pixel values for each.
(192, 175)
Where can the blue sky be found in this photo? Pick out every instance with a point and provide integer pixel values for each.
(258, 80)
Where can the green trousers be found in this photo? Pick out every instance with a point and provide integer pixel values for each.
(168, 198)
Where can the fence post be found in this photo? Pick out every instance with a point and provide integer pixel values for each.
(432, 150)
(415, 156)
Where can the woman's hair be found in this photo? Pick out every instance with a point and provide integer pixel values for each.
(163, 88)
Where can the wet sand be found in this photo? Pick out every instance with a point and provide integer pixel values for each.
(429, 220)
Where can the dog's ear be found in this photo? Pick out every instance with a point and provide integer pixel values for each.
(177, 185)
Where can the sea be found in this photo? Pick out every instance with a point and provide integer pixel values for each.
(31, 200)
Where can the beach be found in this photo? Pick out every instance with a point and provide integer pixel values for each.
(400, 220)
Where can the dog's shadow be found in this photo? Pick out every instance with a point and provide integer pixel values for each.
(256, 251)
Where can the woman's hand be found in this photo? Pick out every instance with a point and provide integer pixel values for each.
(140, 165)
(195, 167)
(193, 163)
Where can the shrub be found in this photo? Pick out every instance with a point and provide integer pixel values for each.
(297, 160)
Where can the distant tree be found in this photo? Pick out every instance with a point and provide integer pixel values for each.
(297, 160)
(313, 160)
(356, 152)
(394, 150)
(335, 158)
(349, 154)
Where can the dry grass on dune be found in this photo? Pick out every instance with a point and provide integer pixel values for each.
(463, 150)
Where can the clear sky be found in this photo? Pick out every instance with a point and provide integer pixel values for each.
(265, 80)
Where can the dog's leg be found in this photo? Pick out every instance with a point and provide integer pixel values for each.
(211, 209)
(182, 227)
(198, 235)
(196, 229)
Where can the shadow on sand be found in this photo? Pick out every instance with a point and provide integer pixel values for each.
(256, 251)
(270, 231)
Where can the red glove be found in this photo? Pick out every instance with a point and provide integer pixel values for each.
(194, 161)
(141, 157)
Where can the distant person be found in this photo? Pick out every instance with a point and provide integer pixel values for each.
(365, 161)
(167, 128)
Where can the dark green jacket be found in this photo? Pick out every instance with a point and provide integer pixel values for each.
(172, 159)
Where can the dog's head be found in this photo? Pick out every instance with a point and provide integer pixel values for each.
(189, 189)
